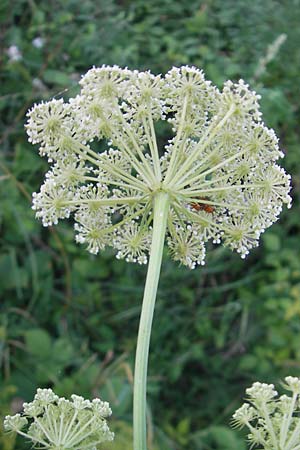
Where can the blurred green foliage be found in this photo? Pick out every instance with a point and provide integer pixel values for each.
(69, 320)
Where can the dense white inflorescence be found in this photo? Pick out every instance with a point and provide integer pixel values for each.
(218, 167)
(273, 421)
(53, 422)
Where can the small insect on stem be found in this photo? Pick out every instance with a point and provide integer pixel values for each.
(202, 206)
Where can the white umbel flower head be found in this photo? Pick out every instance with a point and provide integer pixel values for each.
(273, 421)
(218, 168)
(51, 422)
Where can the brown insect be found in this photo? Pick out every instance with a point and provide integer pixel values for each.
(202, 206)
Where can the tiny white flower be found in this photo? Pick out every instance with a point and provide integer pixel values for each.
(14, 53)
(38, 42)
(132, 243)
(186, 245)
(243, 416)
(38, 84)
(261, 392)
(15, 423)
(292, 384)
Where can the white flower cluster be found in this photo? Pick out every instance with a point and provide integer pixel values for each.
(273, 422)
(218, 168)
(56, 423)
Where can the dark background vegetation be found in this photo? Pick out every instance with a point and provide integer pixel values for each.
(69, 320)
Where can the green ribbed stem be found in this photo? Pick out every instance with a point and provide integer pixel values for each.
(161, 209)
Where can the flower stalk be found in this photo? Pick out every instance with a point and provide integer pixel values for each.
(161, 208)
(216, 179)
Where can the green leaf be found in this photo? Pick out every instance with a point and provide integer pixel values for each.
(272, 242)
(38, 342)
(218, 437)
(56, 77)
